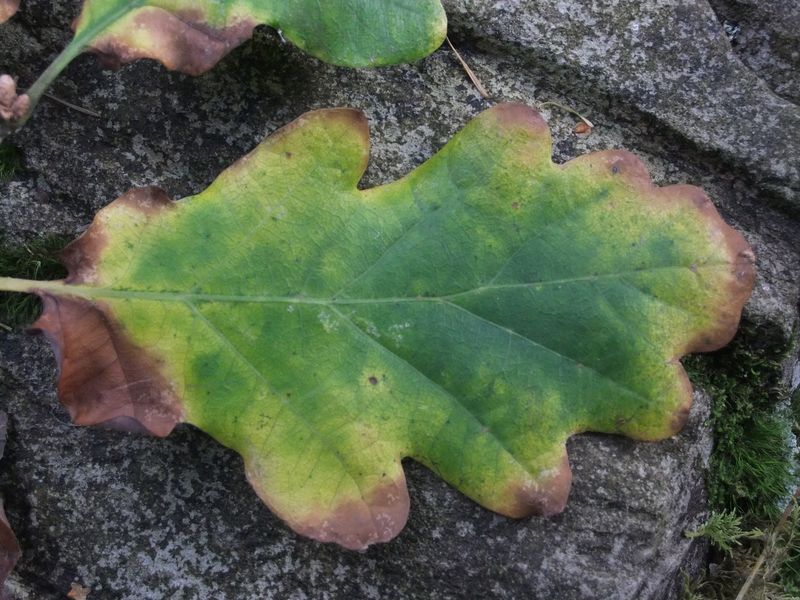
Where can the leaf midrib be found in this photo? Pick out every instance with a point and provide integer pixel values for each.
(89, 292)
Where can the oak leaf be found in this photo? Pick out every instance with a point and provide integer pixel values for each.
(193, 35)
(472, 316)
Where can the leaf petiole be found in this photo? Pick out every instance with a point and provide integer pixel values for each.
(79, 43)
(26, 286)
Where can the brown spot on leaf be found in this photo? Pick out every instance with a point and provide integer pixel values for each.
(180, 40)
(82, 256)
(104, 377)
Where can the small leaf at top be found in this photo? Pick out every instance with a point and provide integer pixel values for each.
(472, 315)
(193, 35)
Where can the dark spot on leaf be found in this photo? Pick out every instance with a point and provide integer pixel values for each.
(373, 380)
(515, 205)
(289, 155)
(616, 169)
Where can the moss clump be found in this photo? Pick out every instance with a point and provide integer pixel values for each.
(35, 259)
(753, 466)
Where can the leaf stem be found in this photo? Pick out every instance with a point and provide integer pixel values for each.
(586, 121)
(78, 44)
(11, 284)
(470, 73)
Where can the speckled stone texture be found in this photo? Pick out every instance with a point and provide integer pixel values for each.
(140, 518)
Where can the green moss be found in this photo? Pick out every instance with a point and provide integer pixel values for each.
(35, 259)
(752, 465)
(724, 531)
(10, 160)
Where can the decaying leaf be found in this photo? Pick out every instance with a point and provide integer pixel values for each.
(472, 315)
(7, 9)
(9, 547)
(13, 106)
(78, 592)
(193, 35)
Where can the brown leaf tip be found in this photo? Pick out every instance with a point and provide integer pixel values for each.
(515, 114)
(105, 379)
(547, 497)
(379, 516)
(742, 261)
(82, 256)
(12, 105)
(357, 525)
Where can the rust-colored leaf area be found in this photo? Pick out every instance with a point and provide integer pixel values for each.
(7, 9)
(181, 40)
(105, 379)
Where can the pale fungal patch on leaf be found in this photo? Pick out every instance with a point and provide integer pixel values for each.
(509, 304)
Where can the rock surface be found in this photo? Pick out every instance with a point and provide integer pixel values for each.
(131, 517)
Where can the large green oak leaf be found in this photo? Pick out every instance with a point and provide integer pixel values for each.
(472, 316)
(193, 35)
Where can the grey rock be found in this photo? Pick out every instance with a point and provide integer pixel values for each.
(134, 517)
(766, 35)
